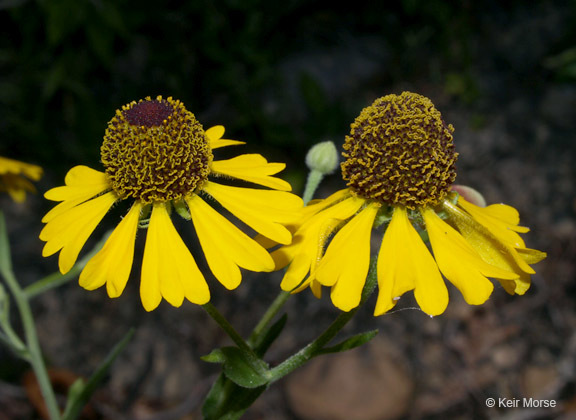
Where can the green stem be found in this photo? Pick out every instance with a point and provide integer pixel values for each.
(306, 353)
(225, 325)
(10, 338)
(51, 281)
(56, 279)
(33, 345)
(34, 351)
(232, 333)
(268, 316)
(312, 183)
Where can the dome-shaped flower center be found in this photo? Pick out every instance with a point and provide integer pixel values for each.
(400, 152)
(155, 150)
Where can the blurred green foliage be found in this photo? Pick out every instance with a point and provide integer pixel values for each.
(252, 65)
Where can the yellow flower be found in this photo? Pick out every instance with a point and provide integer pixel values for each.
(399, 167)
(13, 176)
(157, 155)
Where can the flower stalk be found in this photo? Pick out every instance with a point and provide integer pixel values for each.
(33, 351)
(315, 347)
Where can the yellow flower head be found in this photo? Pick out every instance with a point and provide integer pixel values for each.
(157, 155)
(399, 167)
(14, 178)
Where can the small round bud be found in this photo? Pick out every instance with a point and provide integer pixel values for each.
(470, 194)
(323, 157)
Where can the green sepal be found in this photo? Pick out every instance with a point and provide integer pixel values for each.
(228, 401)
(350, 343)
(80, 391)
(240, 367)
(383, 216)
(145, 214)
(182, 209)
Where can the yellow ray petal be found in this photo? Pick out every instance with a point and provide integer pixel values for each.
(316, 289)
(507, 214)
(168, 268)
(252, 168)
(522, 284)
(491, 247)
(264, 211)
(215, 134)
(317, 205)
(18, 195)
(500, 219)
(347, 259)
(82, 184)
(531, 256)
(70, 231)
(225, 246)
(309, 241)
(459, 262)
(113, 263)
(405, 263)
(305, 251)
(77, 180)
(16, 186)
(11, 166)
(305, 214)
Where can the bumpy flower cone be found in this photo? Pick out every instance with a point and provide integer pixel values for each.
(399, 167)
(158, 157)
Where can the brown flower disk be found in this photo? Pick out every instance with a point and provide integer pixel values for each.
(400, 152)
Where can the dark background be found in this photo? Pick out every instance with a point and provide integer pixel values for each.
(281, 78)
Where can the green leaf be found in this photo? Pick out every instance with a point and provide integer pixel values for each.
(76, 389)
(215, 356)
(228, 401)
(239, 367)
(5, 259)
(81, 392)
(350, 343)
(270, 336)
(215, 397)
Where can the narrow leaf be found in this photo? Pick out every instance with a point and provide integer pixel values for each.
(80, 392)
(350, 343)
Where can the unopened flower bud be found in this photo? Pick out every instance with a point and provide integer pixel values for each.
(470, 194)
(323, 157)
